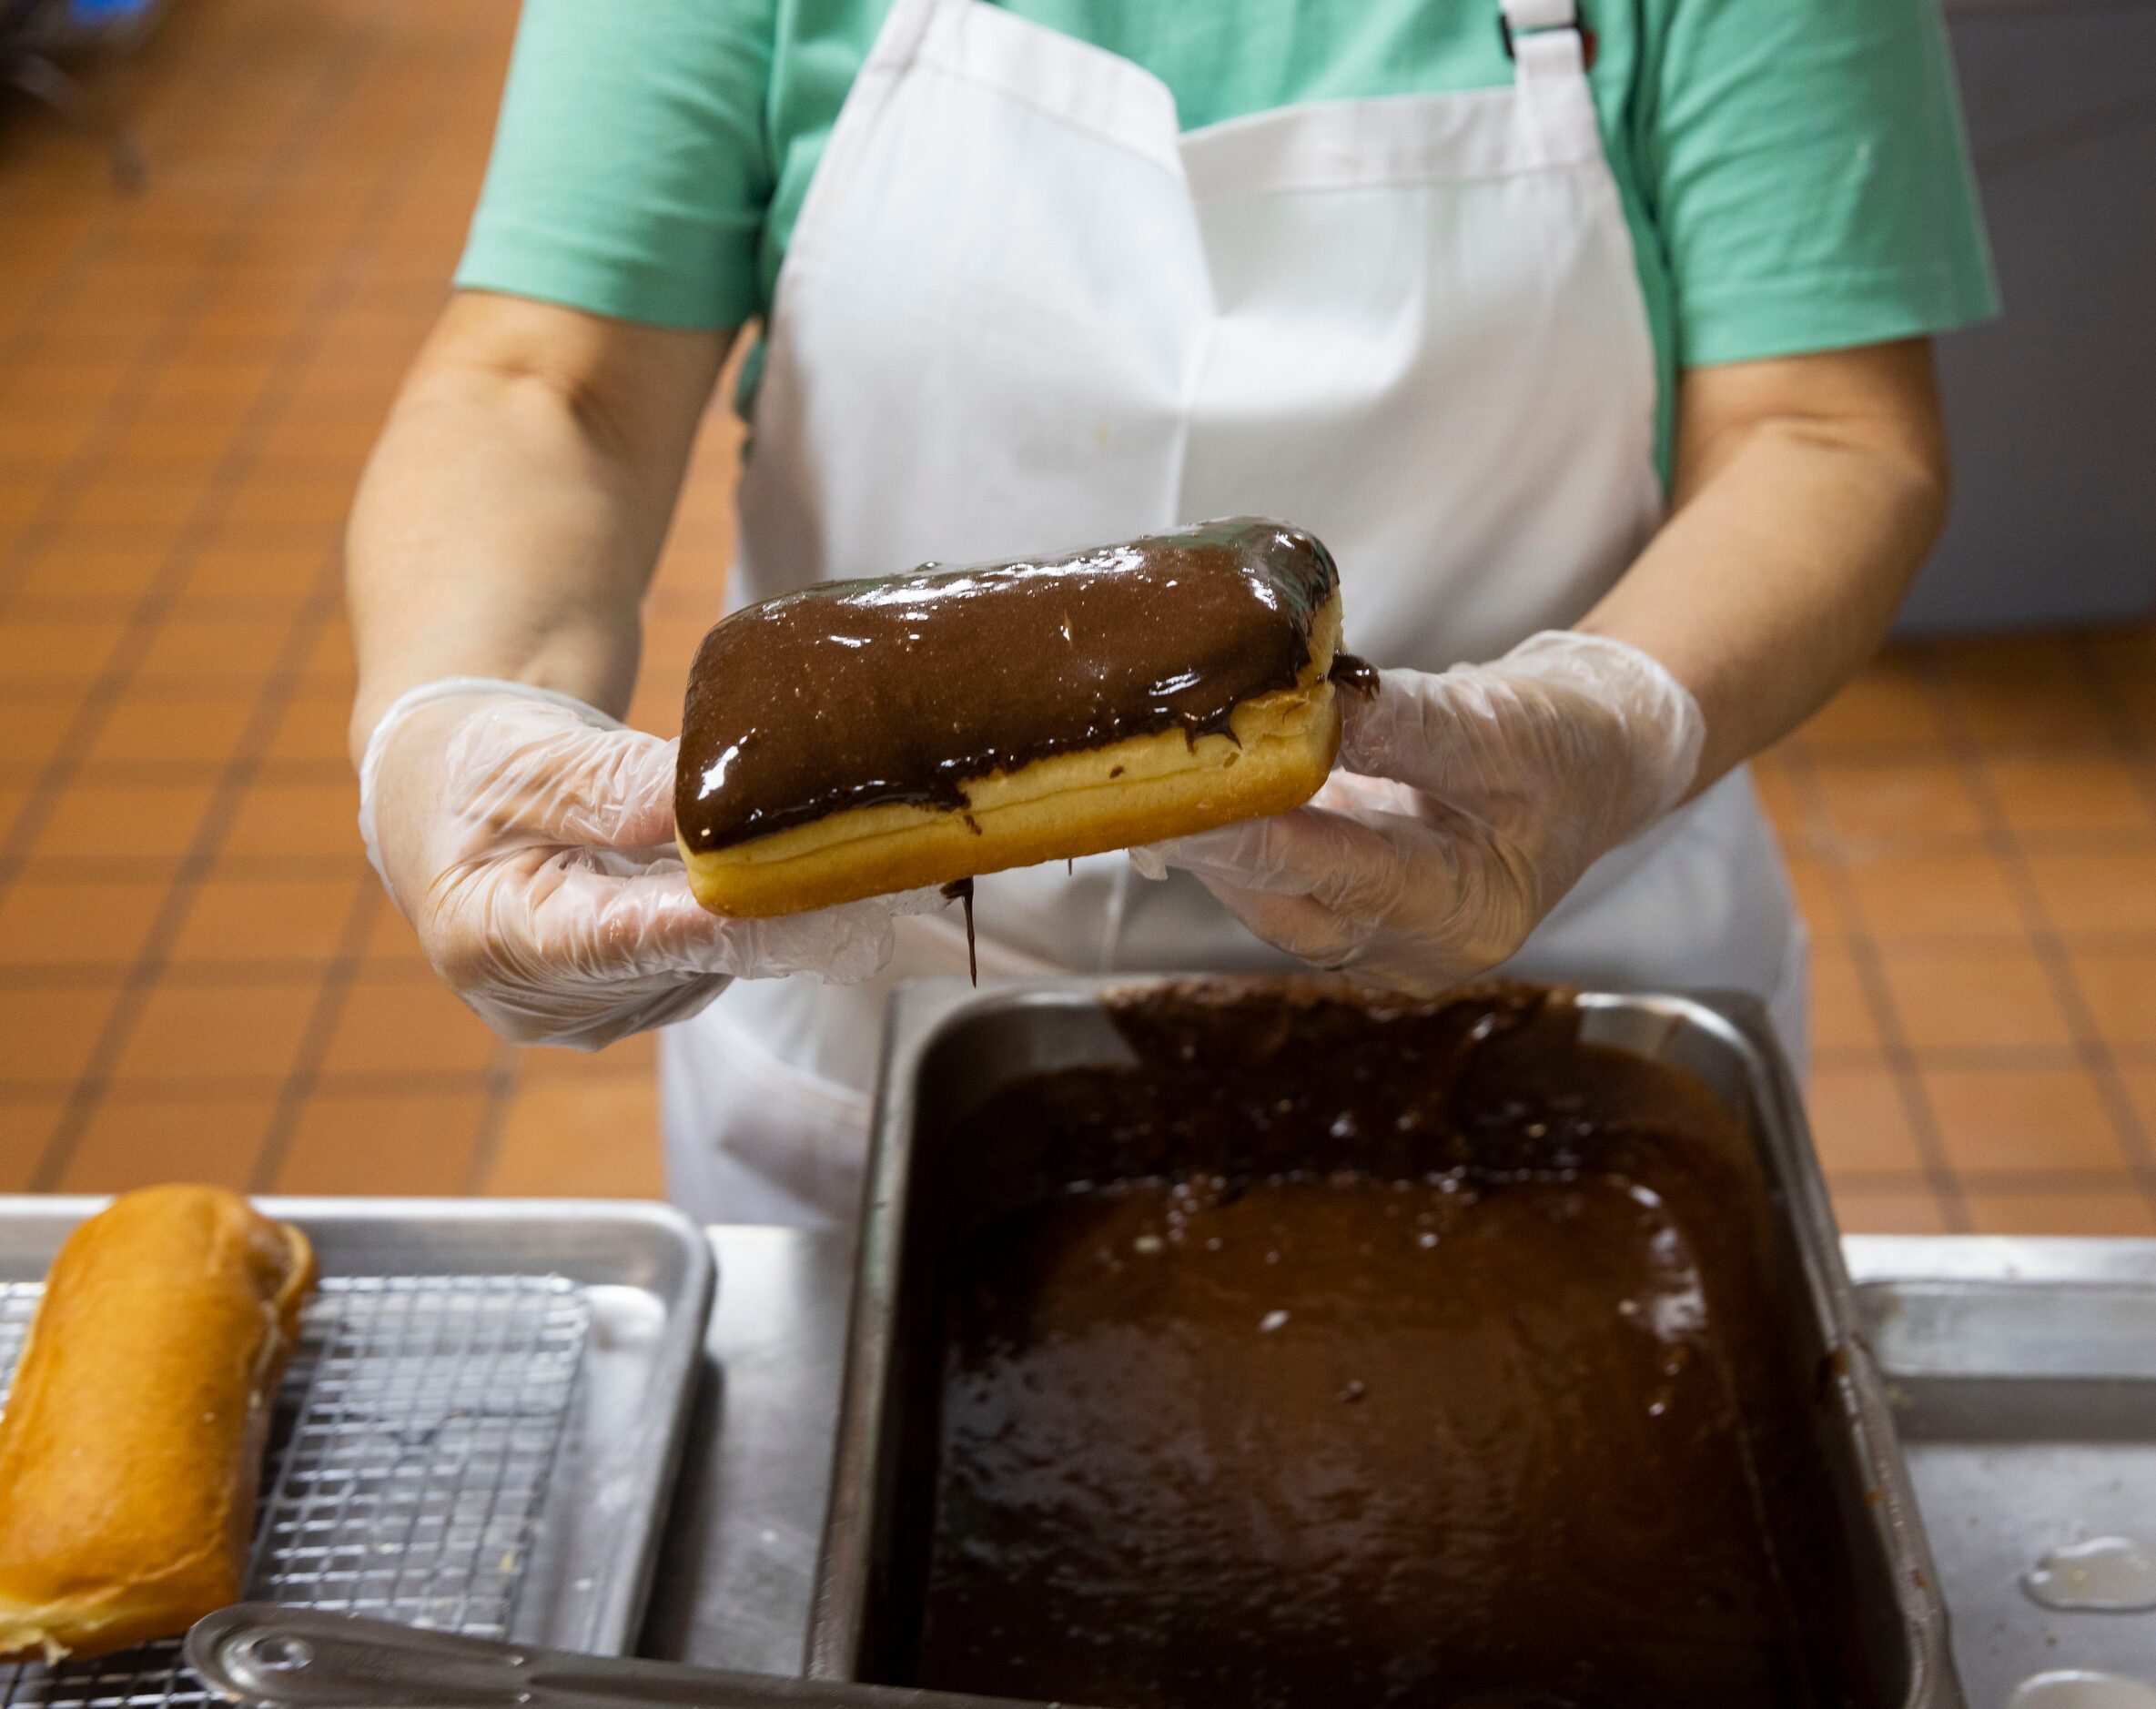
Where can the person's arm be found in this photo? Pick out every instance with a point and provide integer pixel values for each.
(501, 540)
(1809, 491)
(513, 511)
(1469, 802)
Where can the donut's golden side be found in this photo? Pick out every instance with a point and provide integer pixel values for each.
(1138, 791)
(132, 1443)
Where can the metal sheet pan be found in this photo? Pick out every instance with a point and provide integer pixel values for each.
(2022, 1373)
(479, 1428)
(947, 1047)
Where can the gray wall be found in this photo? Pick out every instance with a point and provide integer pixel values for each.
(2054, 407)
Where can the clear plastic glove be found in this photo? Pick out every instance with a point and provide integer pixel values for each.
(528, 838)
(1467, 803)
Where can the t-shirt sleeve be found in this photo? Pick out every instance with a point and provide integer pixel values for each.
(1810, 176)
(631, 169)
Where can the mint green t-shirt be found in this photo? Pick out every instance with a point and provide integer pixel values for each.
(1794, 171)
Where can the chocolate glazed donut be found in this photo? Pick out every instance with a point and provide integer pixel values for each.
(864, 737)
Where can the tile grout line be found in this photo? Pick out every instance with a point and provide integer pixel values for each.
(277, 689)
(100, 608)
(2125, 731)
(336, 1082)
(2092, 1052)
(1825, 845)
(503, 1075)
(2000, 1177)
(372, 1083)
(68, 868)
(291, 772)
(289, 973)
(331, 995)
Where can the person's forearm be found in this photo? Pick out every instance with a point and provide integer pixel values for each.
(1803, 510)
(490, 538)
(509, 518)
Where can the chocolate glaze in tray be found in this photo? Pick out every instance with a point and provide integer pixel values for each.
(1335, 1355)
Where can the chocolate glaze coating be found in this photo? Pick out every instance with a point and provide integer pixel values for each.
(905, 688)
(1344, 1352)
(1351, 671)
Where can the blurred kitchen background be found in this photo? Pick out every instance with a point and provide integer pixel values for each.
(222, 235)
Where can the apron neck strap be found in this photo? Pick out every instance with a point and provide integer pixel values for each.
(1545, 38)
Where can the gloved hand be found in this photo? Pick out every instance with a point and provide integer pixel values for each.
(528, 838)
(1467, 805)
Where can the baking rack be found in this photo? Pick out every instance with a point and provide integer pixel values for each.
(416, 1436)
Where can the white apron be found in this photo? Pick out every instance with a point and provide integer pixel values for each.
(1023, 312)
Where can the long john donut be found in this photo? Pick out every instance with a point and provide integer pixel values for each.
(863, 737)
(132, 1440)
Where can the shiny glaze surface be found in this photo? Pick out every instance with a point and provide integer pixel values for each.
(1419, 1356)
(1351, 671)
(858, 692)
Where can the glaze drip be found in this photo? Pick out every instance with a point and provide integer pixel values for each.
(960, 890)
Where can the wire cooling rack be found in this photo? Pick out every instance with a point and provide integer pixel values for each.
(415, 1438)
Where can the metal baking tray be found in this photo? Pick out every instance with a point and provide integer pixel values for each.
(948, 1046)
(478, 1431)
(2022, 1375)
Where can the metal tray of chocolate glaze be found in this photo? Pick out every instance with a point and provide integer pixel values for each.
(478, 1431)
(948, 1046)
(2022, 1375)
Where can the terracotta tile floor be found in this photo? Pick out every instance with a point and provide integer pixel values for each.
(188, 381)
(1972, 826)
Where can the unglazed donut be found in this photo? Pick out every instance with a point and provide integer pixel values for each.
(864, 737)
(133, 1439)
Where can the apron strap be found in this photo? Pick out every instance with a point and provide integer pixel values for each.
(1545, 39)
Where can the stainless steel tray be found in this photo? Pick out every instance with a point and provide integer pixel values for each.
(736, 1594)
(479, 1430)
(946, 1047)
(2022, 1375)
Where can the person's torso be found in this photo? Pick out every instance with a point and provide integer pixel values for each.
(1221, 63)
(1028, 306)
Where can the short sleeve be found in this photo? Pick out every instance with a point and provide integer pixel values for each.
(1809, 175)
(631, 169)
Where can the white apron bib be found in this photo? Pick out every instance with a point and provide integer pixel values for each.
(1023, 312)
